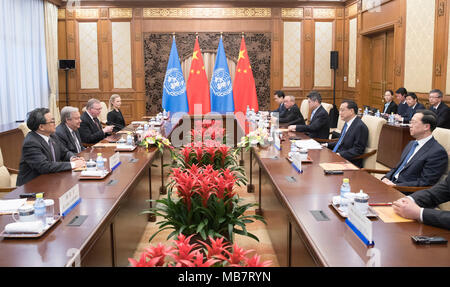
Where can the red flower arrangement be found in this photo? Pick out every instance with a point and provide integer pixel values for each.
(184, 254)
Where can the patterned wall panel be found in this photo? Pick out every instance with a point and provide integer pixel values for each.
(157, 49)
(207, 12)
(121, 47)
(352, 35)
(419, 45)
(88, 55)
(448, 66)
(291, 54)
(323, 46)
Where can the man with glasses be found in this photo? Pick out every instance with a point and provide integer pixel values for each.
(441, 110)
(423, 160)
(41, 151)
(67, 131)
(91, 130)
(319, 122)
(353, 140)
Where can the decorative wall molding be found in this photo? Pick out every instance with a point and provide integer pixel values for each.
(352, 10)
(120, 13)
(61, 13)
(207, 12)
(87, 14)
(324, 13)
(292, 12)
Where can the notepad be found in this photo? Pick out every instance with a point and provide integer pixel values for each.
(308, 144)
(11, 205)
(338, 166)
(388, 215)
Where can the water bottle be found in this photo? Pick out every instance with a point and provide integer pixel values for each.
(392, 118)
(100, 162)
(40, 211)
(248, 110)
(377, 114)
(129, 140)
(345, 190)
(366, 111)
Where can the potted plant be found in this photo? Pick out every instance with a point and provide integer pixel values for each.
(201, 200)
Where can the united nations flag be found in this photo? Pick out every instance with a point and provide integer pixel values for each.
(221, 88)
(174, 90)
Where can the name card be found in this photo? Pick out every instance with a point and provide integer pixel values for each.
(277, 142)
(297, 163)
(360, 225)
(114, 161)
(69, 200)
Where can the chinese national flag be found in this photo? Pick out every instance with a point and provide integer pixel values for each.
(244, 90)
(197, 85)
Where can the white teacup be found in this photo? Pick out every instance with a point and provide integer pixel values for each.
(25, 213)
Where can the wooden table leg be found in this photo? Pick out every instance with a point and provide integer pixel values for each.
(250, 186)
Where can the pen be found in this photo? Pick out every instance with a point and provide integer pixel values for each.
(381, 204)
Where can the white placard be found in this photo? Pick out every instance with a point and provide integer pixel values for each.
(114, 161)
(360, 221)
(69, 199)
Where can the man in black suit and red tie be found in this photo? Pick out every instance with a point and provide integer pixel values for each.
(41, 151)
(353, 140)
(441, 110)
(91, 130)
(421, 205)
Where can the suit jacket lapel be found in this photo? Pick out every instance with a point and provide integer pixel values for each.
(44, 144)
(424, 149)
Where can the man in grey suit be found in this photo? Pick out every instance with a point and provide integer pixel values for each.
(67, 132)
(421, 205)
(41, 151)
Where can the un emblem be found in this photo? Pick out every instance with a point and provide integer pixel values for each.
(221, 83)
(174, 82)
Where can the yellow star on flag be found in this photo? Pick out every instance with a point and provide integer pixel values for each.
(241, 55)
(194, 56)
(192, 71)
(198, 72)
(245, 71)
(239, 70)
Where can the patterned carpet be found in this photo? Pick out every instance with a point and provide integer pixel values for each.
(262, 248)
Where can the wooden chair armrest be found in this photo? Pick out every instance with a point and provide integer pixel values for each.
(410, 189)
(366, 155)
(13, 170)
(7, 189)
(370, 170)
(325, 140)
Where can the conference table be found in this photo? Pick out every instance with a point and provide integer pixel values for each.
(113, 227)
(286, 199)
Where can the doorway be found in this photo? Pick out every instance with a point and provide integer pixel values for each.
(381, 67)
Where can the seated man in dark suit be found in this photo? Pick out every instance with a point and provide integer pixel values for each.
(292, 115)
(402, 107)
(441, 110)
(91, 130)
(67, 132)
(41, 151)
(413, 106)
(278, 96)
(354, 135)
(421, 205)
(319, 122)
(423, 160)
(389, 106)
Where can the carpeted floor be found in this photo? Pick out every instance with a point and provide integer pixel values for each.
(262, 248)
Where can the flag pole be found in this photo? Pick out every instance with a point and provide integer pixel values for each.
(242, 34)
(196, 35)
(221, 34)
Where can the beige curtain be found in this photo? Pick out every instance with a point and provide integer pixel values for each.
(209, 60)
(51, 44)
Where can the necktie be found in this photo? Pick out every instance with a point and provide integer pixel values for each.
(344, 129)
(312, 115)
(405, 160)
(52, 149)
(75, 139)
(386, 107)
(98, 123)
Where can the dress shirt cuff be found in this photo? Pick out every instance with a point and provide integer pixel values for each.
(421, 209)
(72, 164)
